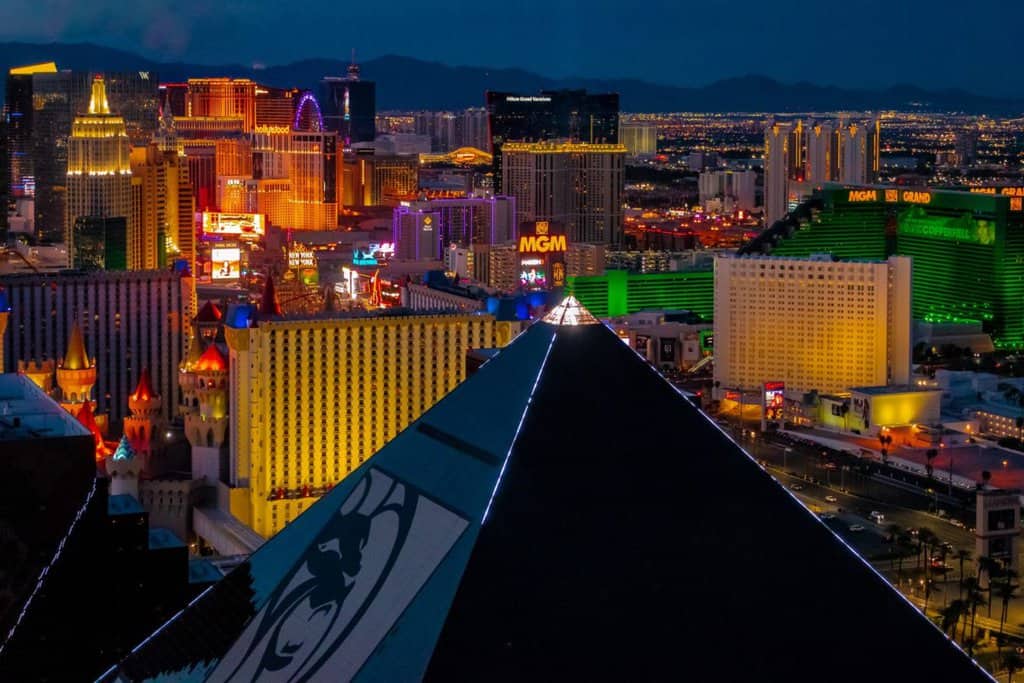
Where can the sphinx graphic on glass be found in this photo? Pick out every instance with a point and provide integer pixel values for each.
(348, 588)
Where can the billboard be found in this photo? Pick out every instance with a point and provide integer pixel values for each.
(225, 263)
(541, 256)
(961, 228)
(773, 400)
(372, 253)
(244, 225)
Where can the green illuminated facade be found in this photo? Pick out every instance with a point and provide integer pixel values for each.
(619, 292)
(967, 250)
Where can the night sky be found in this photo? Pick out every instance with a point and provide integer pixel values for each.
(930, 43)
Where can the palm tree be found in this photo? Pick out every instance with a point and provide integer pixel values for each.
(990, 568)
(925, 539)
(962, 555)
(975, 598)
(952, 614)
(1005, 591)
(894, 531)
(929, 586)
(930, 455)
(905, 545)
(1013, 663)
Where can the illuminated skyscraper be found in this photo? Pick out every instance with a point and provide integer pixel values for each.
(99, 177)
(379, 179)
(731, 190)
(551, 115)
(276, 106)
(58, 98)
(164, 215)
(783, 162)
(463, 222)
(639, 137)
(350, 106)
(822, 163)
(858, 151)
(19, 117)
(578, 185)
(5, 314)
(313, 397)
(815, 324)
(220, 97)
(312, 171)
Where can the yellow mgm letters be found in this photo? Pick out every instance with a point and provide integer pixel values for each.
(541, 244)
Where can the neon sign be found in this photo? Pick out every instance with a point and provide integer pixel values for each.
(963, 228)
(863, 196)
(298, 259)
(773, 400)
(542, 244)
(914, 197)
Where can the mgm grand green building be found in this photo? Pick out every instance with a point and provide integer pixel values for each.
(967, 247)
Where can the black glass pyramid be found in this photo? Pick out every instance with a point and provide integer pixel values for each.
(565, 514)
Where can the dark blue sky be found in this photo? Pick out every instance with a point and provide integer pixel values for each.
(932, 43)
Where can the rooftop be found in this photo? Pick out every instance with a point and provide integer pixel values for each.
(894, 389)
(123, 504)
(160, 538)
(28, 413)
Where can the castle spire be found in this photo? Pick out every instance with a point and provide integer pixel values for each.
(75, 358)
(98, 100)
(144, 389)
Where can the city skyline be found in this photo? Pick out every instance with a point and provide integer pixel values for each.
(601, 43)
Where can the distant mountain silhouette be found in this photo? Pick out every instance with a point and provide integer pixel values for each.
(408, 83)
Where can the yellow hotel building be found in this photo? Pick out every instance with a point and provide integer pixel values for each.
(313, 397)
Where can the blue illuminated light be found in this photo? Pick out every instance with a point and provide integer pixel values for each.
(522, 419)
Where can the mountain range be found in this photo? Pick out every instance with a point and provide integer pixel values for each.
(405, 83)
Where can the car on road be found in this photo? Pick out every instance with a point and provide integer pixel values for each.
(913, 532)
(797, 487)
(831, 499)
(827, 515)
(877, 517)
(856, 527)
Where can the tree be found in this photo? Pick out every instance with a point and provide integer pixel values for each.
(1013, 663)
(929, 586)
(925, 536)
(930, 455)
(1005, 591)
(975, 598)
(905, 547)
(962, 555)
(952, 614)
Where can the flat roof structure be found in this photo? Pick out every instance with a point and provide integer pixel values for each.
(28, 413)
(564, 514)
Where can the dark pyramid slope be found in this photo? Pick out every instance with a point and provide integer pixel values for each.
(564, 514)
(632, 540)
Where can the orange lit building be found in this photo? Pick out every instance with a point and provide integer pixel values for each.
(99, 179)
(223, 97)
